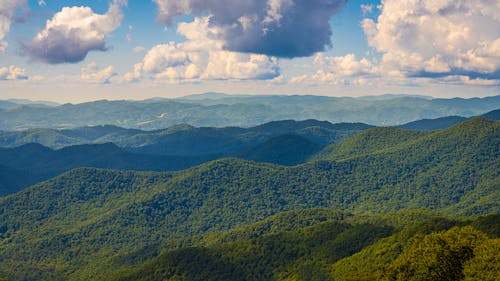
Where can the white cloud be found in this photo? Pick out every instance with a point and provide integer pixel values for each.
(430, 38)
(7, 10)
(42, 3)
(345, 70)
(13, 73)
(93, 74)
(202, 57)
(345, 66)
(138, 49)
(299, 79)
(367, 9)
(73, 32)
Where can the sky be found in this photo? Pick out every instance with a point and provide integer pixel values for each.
(74, 51)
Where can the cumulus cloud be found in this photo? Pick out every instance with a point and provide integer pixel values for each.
(339, 70)
(202, 57)
(428, 38)
(73, 32)
(93, 74)
(13, 73)
(7, 10)
(281, 28)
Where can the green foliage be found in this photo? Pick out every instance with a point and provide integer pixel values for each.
(304, 252)
(283, 150)
(437, 256)
(485, 265)
(76, 226)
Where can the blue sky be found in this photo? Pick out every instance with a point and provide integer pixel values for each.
(117, 49)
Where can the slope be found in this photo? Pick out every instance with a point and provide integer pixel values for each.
(70, 221)
(283, 150)
(33, 162)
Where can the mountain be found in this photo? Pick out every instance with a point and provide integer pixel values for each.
(183, 139)
(74, 225)
(175, 148)
(30, 102)
(493, 115)
(368, 142)
(324, 251)
(433, 124)
(31, 163)
(283, 150)
(444, 122)
(241, 111)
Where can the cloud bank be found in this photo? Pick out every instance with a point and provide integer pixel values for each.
(13, 73)
(281, 28)
(436, 39)
(7, 10)
(73, 32)
(201, 57)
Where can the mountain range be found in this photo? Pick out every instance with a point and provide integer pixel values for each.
(242, 111)
(94, 224)
(176, 148)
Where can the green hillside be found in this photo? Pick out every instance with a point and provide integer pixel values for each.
(329, 250)
(367, 142)
(283, 150)
(61, 227)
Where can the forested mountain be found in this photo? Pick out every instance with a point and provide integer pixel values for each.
(242, 111)
(433, 124)
(31, 163)
(176, 148)
(331, 250)
(445, 122)
(77, 225)
(183, 139)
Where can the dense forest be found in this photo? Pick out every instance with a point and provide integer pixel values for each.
(241, 220)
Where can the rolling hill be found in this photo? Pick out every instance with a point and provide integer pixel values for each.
(65, 227)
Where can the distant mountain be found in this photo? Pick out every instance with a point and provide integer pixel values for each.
(241, 111)
(493, 115)
(208, 96)
(445, 122)
(183, 139)
(31, 163)
(433, 124)
(74, 226)
(392, 96)
(30, 102)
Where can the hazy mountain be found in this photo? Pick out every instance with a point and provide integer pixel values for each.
(183, 139)
(70, 226)
(31, 163)
(433, 124)
(445, 122)
(242, 111)
(493, 115)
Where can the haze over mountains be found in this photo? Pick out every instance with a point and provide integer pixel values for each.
(244, 111)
